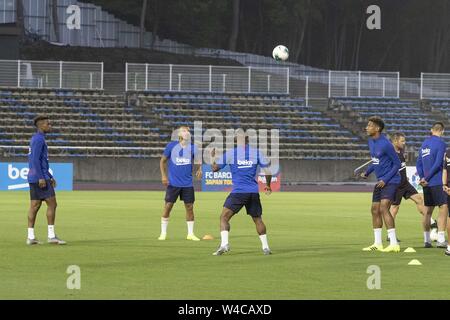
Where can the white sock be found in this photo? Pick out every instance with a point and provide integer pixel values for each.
(432, 221)
(30, 233)
(264, 243)
(224, 237)
(377, 233)
(164, 223)
(441, 236)
(392, 237)
(426, 237)
(190, 225)
(51, 231)
(448, 247)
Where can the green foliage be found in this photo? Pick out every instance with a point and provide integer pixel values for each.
(329, 34)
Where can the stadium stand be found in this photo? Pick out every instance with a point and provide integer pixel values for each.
(85, 123)
(90, 123)
(438, 106)
(304, 132)
(408, 117)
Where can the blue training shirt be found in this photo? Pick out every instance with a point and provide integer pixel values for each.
(429, 161)
(180, 163)
(38, 159)
(385, 161)
(243, 164)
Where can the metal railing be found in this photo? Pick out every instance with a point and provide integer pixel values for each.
(150, 77)
(434, 85)
(363, 83)
(308, 84)
(51, 74)
(311, 85)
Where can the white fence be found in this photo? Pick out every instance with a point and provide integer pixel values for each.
(153, 77)
(144, 77)
(51, 74)
(229, 79)
(434, 85)
(363, 84)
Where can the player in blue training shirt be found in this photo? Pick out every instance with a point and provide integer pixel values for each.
(178, 158)
(406, 190)
(243, 161)
(386, 165)
(430, 166)
(446, 182)
(41, 182)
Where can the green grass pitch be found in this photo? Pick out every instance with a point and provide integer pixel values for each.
(316, 239)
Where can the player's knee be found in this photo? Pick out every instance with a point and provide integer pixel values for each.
(384, 206)
(189, 206)
(226, 215)
(35, 206)
(52, 205)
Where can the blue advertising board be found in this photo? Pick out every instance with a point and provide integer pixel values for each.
(216, 181)
(222, 180)
(13, 175)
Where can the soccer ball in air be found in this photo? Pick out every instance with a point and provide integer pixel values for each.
(280, 53)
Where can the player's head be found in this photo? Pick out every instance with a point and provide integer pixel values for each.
(437, 129)
(42, 123)
(399, 140)
(184, 133)
(375, 125)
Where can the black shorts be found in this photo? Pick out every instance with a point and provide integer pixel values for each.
(186, 194)
(388, 192)
(405, 191)
(251, 201)
(37, 193)
(434, 196)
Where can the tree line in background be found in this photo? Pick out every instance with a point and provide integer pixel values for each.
(330, 34)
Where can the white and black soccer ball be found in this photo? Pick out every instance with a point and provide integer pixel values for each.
(433, 235)
(280, 53)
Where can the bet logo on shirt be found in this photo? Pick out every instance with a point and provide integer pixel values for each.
(182, 161)
(244, 163)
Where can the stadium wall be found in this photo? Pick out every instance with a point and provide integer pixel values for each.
(126, 170)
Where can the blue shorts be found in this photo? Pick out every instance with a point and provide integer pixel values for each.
(388, 192)
(434, 196)
(251, 201)
(37, 193)
(185, 193)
